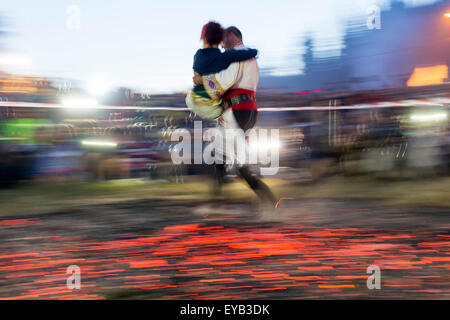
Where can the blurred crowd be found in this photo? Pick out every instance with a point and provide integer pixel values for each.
(407, 141)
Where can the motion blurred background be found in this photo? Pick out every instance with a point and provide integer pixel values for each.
(91, 91)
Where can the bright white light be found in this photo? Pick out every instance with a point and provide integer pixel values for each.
(14, 60)
(265, 146)
(79, 102)
(98, 143)
(97, 86)
(429, 117)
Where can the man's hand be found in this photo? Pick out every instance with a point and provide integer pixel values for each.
(197, 78)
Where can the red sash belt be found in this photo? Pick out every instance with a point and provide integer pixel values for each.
(246, 105)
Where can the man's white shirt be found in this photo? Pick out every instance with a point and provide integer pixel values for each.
(249, 75)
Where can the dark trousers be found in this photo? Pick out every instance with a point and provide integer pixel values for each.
(246, 120)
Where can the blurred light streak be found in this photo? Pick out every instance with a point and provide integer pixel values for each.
(312, 91)
(337, 286)
(79, 102)
(98, 143)
(429, 117)
(281, 199)
(264, 146)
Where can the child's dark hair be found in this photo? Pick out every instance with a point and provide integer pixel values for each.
(212, 33)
